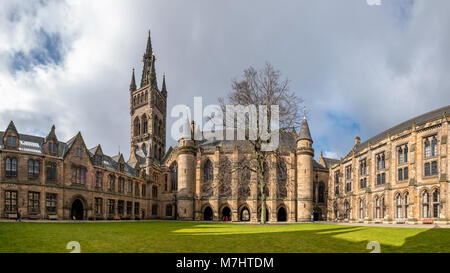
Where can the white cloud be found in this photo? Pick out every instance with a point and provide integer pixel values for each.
(377, 65)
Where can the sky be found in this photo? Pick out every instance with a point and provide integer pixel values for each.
(360, 68)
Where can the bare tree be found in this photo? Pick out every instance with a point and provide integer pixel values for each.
(263, 88)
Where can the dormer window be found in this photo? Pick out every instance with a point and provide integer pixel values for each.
(79, 152)
(52, 147)
(98, 160)
(11, 141)
(121, 167)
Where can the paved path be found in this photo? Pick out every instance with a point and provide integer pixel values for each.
(387, 225)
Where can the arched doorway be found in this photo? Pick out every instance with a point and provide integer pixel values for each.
(245, 214)
(226, 214)
(208, 214)
(317, 214)
(77, 210)
(281, 215)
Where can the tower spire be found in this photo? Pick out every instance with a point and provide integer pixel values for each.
(133, 82)
(152, 76)
(149, 50)
(164, 88)
(147, 59)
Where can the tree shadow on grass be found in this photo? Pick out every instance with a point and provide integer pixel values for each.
(329, 240)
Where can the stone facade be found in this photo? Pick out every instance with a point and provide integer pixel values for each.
(398, 176)
(44, 178)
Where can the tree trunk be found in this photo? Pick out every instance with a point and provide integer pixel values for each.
(263, 202)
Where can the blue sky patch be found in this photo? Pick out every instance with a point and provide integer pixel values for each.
(47, 51)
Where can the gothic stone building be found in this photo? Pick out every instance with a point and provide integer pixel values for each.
(44, 178)
(397, 176)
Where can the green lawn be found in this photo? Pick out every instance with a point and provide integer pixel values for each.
(216, 237)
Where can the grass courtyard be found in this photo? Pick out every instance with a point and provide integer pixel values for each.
(194, 237)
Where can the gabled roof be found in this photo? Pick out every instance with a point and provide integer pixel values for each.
(36, 144)
(11, 127)
(51, 135)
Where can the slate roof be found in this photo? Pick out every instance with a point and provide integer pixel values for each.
(287, 139)
(406, 125)
(36, 144)
(330, 161)
(304, 131)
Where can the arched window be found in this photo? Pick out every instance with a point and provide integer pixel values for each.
(244, 185)
(425, 205)
(174, 176)
(427, 150)
(400, 155)
(377, 208)
(405, 154)
(399, 206)
(137, 127)
(282, 179)
(112, 183)
(208, 177)
(361, 209)
(98, 179)
(121, 184)
(224, 177)
(208, 171)
(145, 124)
(321, 192)
(434, 147)
(406, 205)
(347, 210)
(436, 203)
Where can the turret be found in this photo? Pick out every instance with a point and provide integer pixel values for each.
(186, 174)
(305, 157)
(133, 82)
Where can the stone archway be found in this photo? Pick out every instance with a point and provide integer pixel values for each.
(281, 215)
(226, 213)
(77, 210)
(208, 214)
(245, 214)
(317, 212)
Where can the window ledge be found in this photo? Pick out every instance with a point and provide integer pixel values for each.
(430, 177)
